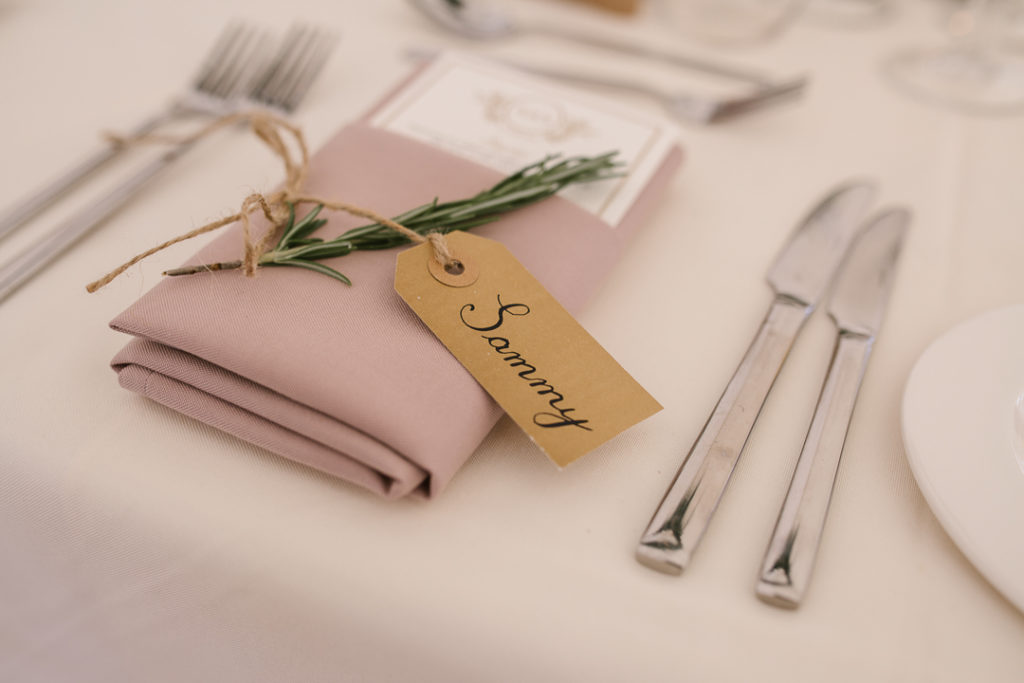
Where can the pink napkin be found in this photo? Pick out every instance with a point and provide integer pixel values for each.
(346, 379)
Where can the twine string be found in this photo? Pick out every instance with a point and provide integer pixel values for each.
(272, 131)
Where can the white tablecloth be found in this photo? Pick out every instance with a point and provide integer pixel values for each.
(140, 545)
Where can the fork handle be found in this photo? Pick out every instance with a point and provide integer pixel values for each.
(31, 205)
(23, 266)
(789, 559)
(761, 97)
(685, 511)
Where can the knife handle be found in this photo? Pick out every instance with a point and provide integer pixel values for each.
(789, 559)
(683, 514)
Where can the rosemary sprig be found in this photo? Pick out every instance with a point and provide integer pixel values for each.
(298, 248)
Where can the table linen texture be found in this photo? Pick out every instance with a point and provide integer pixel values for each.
(140, 544)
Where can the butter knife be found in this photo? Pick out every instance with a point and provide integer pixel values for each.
(857, 305)
(799, 277)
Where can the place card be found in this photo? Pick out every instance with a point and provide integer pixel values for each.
(545, 371)
(504, 119)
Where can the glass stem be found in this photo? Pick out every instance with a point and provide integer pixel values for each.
(971, 25)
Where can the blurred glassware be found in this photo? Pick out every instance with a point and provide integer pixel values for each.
(852, 14)
(979, 70)
(732, 22)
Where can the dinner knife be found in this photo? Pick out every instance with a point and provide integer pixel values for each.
(800, 275)
(857, 305)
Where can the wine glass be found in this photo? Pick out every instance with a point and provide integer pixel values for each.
(976, 71)
(731, 22)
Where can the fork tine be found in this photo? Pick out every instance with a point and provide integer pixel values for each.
(296, 65)
(236, 65)
(303, 81)
(276, 65)
(242, 65)
(298, 58)
(293, 54)
(214, 60)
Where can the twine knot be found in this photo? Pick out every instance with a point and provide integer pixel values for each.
(276, 208)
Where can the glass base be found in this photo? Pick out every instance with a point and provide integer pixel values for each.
(732, 22)
(848, 14)
(971, 80)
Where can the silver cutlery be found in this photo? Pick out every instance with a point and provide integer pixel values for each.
(683, 105)
(483, 22)
(857, 305)
(282, 85)
(799, 277)
(221, 78)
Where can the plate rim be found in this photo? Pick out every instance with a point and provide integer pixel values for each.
(962, 537)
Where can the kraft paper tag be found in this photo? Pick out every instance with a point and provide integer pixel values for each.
(558, 384)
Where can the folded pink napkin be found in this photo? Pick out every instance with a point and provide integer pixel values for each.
(346, 379)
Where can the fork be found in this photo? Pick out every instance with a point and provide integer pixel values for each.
(688, 106)
(683, 105)
(222, 76)
(281, 85)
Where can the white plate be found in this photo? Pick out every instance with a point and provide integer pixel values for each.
(960, 427)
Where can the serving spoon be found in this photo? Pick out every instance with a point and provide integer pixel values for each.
(484, 22)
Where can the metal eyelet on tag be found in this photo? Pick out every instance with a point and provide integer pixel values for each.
(461, 272)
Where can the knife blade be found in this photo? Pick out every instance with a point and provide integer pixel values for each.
(800, 275)
(857, 305)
